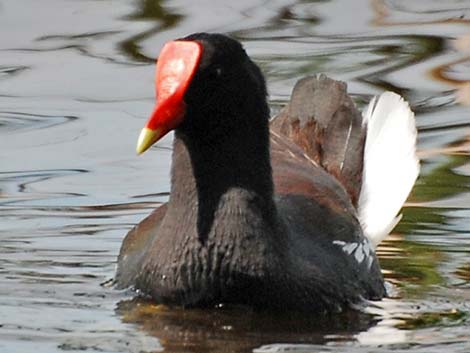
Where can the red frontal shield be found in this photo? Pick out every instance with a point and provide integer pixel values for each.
(176, 66)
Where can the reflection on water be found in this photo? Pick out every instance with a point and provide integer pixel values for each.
(415, 12)
(17, 120)
(151, 11)
(236, 329)
(76, 87)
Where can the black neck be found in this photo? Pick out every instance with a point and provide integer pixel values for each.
(210, 164)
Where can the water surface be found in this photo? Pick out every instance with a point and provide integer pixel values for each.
(76, 86)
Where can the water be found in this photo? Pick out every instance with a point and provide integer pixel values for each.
(76, 86)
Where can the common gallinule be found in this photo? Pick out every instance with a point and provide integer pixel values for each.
(282, 215)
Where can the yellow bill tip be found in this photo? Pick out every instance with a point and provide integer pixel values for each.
(146, 139)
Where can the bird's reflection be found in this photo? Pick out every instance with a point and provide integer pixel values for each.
(237, 329)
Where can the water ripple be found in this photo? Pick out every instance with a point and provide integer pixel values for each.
(66, 203)
(17, 186)
(13, 121)
(9, 71)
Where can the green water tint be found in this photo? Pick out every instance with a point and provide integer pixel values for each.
(416, 266)
(76, 86)
(448, 319)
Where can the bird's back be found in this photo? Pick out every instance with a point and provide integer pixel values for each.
(317, 145)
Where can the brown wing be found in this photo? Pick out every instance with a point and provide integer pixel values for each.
(133, 248)
(322, 120)
(295, 173)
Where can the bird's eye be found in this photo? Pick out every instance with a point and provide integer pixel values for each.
(215, 73)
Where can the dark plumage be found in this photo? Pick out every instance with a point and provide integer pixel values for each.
(257, 217)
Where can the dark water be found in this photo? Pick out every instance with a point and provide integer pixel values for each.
(76, 85)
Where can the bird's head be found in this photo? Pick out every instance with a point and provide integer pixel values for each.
(203, 81)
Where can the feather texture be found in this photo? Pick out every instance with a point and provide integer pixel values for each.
(391, 165)
(322, 119)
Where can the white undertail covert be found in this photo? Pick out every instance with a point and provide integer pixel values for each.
(391, 165)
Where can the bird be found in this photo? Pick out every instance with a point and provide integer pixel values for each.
(280, 214)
